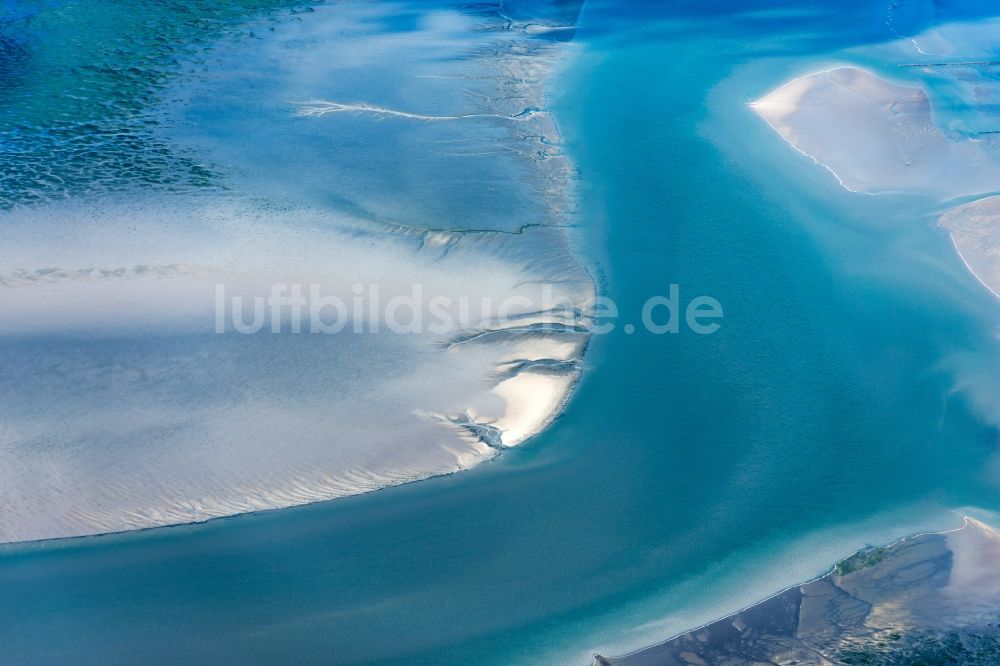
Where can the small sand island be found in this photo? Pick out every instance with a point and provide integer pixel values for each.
(876, 137)
(975, 230)
(929, 599)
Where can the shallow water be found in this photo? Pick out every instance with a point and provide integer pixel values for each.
(846, 399)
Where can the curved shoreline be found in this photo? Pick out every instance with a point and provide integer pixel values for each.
(657, 652)
(403, 428)
(6, 546)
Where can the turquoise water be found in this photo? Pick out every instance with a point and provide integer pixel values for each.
(844, 400)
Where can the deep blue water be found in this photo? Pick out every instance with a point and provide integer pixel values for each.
(690, 474)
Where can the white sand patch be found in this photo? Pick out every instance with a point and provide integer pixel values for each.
(976, 552)
(972, 593)
(876, 136)
(975, 231)
(532, 401)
